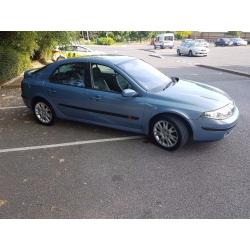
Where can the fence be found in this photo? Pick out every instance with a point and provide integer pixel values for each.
(212, 36)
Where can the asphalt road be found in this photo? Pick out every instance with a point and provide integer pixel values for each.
(235, 58)
(129, 178)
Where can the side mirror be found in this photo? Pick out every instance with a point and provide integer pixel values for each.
(129, 93)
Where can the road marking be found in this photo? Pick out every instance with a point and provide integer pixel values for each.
(17, 107)
(156, 55)
(67, 144)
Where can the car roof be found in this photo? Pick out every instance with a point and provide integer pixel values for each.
(107, 59)
(166, 34)
(195, 43)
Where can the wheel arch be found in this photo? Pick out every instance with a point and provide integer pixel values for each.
(172, 114)
(39, 98)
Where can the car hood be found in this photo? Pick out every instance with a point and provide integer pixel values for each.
(201, 97)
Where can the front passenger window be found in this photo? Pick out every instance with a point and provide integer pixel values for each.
(122, 82)
(106, 79)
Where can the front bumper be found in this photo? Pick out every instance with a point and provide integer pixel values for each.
(205, 129)
(200, 53)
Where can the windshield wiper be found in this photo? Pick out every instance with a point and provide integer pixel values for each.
(173, 81)
(168, 85)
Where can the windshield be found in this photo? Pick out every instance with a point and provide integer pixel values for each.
(198, 44)
(195, 44)
(145, 75)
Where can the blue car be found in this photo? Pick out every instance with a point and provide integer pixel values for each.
(223, 42)
(126, 93)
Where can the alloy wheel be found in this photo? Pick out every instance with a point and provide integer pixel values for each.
(43, 112)
(165, 133)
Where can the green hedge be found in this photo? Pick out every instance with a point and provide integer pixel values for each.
(105, 41)
(12, 63)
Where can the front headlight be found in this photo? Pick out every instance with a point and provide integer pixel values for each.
(222, 113)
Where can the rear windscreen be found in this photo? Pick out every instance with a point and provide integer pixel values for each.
(39, 70)
(168, 38)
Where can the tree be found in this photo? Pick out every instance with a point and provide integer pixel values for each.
(16, 49)
(183, 34)
(234, 33)
(24, 42)
(43, 41)
(47, 40)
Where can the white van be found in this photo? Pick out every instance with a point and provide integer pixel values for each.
(164, 41)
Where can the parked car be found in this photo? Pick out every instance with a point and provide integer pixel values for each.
(126, 93)
(188, 40)
(239, 42)
(63, 52)
(202, 41)
(164, 41)
(192, 49)
(223, 42)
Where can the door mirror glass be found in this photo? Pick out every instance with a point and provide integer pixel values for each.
(129, 93)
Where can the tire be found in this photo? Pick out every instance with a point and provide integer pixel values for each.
(162, 47)
(171, 47)
(43, 112)
(190, 53)
(177, 129)
(155, 47)
(178, 52)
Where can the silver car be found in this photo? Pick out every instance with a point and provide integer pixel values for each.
(192, 49)
(239, 42)
(203, 41)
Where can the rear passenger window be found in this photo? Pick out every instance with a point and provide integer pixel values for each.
(74, 74)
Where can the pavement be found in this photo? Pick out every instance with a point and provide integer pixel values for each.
(130, 177)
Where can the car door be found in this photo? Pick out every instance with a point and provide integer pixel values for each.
(108, 103)
(68, 89)
(186, 48)
(218, 42)
(182, 48)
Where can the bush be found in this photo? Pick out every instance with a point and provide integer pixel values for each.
(12, 63)
(105, 41)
